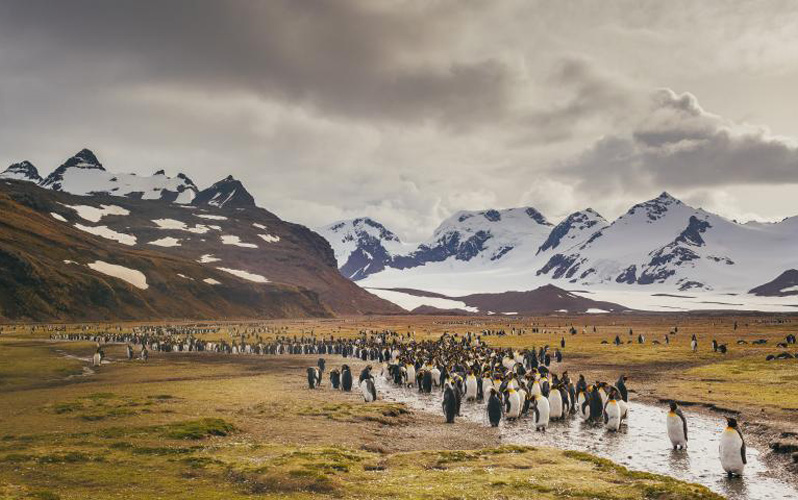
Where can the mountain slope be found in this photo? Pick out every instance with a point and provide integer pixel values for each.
(234, 237)
(51, 271)
(362, 246)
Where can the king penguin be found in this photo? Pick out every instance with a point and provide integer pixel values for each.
(677, 427)
(732, 449)
(449, 403)
(494, 408)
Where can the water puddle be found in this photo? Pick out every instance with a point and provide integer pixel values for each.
(641, 445)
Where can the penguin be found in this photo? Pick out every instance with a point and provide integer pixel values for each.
(487, 385)
(129, 352)
(694, 343)
(321, 364)
(314, 377)
(677, 427)
(436, 376)
(98, 357)
(368, 390)
(732, 449)
(449, 403)
(555, 404)
(346, 379)
(335, 379)
(513, 404)
(621, 385)
(410, 375)
(426, 382)
(612, 413)
(583, 406)
(494, 408)
(540, 413)
(596, 404)
(471, 388)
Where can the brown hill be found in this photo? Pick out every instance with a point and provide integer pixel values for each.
(46, 246)
(785, 285)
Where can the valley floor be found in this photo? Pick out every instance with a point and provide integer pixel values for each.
(201, 425)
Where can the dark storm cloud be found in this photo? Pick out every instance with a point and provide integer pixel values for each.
(679, 145)
(356, 59)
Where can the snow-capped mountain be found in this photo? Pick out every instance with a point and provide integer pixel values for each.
(22, 171)
(467, 240)
(83, 175)
(227, 193)
(575, 229)
(481, 237)
(648, 256)
(362, 246)
(666, 242)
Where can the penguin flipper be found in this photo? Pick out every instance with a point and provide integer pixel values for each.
(684, 422)
(742, 448)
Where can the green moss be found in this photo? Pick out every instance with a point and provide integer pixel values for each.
(197, 429)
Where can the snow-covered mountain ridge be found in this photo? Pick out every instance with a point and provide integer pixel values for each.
(658, 246)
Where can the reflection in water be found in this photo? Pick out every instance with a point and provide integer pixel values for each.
(641, 445)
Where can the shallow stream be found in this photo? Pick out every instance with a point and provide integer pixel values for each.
(642, 444)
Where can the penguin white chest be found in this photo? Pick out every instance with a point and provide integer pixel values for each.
(676, 430)
(731, 457)
(543, 412)
(471, 388)
(515, 405)
(612, 417)
(555, 404)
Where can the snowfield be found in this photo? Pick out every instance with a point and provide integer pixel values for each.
(256, 278)
(135, 278)
(410, 302)
(236, 241)
(208, 258)
(269, 238)
(166, 242)
(109, 234)
(94, 214)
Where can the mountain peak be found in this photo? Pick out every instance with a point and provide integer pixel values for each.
(84, 158)
(23, 171)
(228, 192)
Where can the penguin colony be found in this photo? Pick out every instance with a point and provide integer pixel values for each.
(512, 384)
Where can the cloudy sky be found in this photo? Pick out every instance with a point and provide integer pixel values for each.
(409, 110)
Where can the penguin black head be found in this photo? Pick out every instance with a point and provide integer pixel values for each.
(732, 422)
(673, 405)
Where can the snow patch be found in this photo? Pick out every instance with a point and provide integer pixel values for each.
(208, 258)
(166, 242)
(596, 310)
(58, 217)
(135, 278)
(410, 302)
(210, 217)
(109, 234)
(94, 214)
(235, 240)
(259, 226)
(269, 238)
(211, 281)
(256, 278)
(185, 277)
